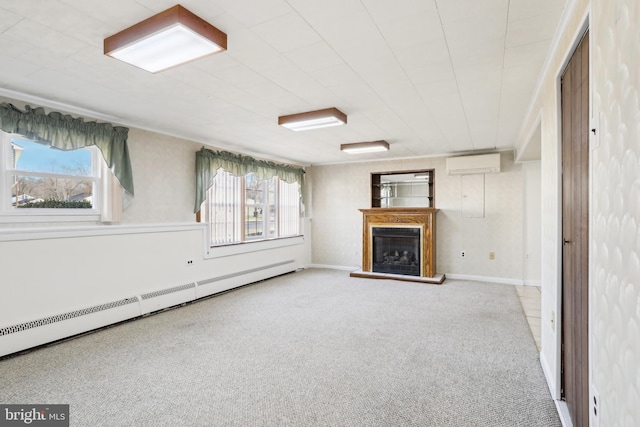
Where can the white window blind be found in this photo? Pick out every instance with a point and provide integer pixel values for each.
(246, 208)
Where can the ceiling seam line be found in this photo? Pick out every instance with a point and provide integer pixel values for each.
(408, 79)
(466, 119)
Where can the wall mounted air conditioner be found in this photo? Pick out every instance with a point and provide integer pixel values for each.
(466, 165)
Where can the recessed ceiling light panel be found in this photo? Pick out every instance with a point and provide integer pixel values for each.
(170, 38)
(313, 119)
(365, 147)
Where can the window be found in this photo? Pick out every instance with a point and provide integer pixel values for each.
(38, 179)
(259, 207)
(241, 209)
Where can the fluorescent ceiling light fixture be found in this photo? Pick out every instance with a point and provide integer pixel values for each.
(313, 119)
(365, 147)
(165, 40)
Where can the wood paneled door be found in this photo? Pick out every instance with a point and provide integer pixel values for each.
(575, 235)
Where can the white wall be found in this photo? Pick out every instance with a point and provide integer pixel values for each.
(545, 113)
(531, 176)
(340, 190)
(53, 272)
(614, 291)
(50, 269)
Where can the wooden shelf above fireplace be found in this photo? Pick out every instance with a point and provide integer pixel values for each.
(422, 218)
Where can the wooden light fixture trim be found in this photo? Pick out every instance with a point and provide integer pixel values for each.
(163, 20)
(338, 117)
(365, 147)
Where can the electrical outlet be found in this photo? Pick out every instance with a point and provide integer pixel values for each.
(462, 254)
(595, 408)
(492, 255)
(189, 262)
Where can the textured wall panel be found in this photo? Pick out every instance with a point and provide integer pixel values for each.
(615, 249)
(164, 174)
(340, 190)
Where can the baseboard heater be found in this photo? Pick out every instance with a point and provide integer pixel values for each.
(22, 336)
(53, 328)
(154, 301)
(225, 282)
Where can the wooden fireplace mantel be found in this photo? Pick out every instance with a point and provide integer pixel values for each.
(423, 218)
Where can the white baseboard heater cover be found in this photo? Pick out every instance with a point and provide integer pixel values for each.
(229, 281)
(466, 165)
(34, 333)
(154, 301)
(49, 329)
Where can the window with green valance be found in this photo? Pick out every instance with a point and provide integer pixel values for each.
(68, 133)
(208, 162)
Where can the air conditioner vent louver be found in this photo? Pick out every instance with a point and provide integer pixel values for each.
(65, 316)
(466, 165)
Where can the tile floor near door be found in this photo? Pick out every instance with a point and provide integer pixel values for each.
(530, 300)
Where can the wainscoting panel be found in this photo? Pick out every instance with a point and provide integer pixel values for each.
(67, 282)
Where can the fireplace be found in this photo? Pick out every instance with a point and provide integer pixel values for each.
(399, 243)
(396, 250)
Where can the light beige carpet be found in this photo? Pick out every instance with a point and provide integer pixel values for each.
(312, 348)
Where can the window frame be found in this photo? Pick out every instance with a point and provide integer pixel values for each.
(204, 214)
(264, 206)
(10, 214)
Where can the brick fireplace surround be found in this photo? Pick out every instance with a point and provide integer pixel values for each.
(422, 218)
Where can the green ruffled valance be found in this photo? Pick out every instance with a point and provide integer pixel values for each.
(67, 133)
(208, 162)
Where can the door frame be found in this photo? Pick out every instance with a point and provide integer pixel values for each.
(556, 387)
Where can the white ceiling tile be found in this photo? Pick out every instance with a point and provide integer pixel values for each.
(119, 14)
(277, 32)
(531, 30)
(250, 13)
(16, 67)
(44, 38)
(316, 57)
(279, 99)
(490, 53)
(384, 10)
(345, 32)
(522, 56)
(443, 88)
(76, 26)
(523, 9)
(396, 72)
(431, 73)
(241, 76)
(8, 19)
(411, 30)
(315, 11)
(337, 75)
(472, 10)
(423, 54)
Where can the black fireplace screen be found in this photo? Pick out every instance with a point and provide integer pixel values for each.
(396, 250)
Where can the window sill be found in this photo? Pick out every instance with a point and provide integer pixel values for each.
(58, 232)
(49, 217)
(253, 246)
